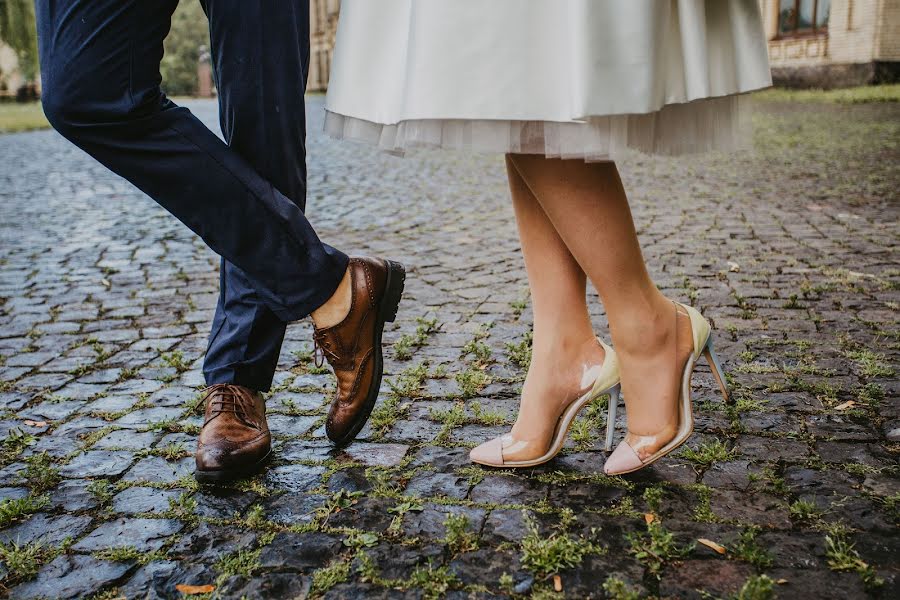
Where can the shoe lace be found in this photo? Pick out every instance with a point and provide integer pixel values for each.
(228, 398)
(323, 351)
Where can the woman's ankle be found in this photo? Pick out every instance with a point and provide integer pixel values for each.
(564, 347)
(642, 330)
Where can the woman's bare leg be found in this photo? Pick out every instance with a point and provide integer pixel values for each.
(564, 341)
(588, 208)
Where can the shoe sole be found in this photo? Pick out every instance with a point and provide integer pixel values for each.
(387, 312)
(560, 435)
(226, 475)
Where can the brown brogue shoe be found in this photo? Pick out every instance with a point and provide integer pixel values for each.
(235, 439)
(353, 346)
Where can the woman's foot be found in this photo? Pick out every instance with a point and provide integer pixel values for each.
(652, 376)
(556, 378)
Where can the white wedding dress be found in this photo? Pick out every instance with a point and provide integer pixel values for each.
(563, 78)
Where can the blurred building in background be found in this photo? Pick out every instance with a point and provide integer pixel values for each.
(833, 43)
(323, 21)
(11, 78)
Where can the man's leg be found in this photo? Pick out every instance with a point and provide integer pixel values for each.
(261, 81)
(100, 74)
(100, 77)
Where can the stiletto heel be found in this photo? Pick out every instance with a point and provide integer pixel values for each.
(626, 458)
(507, 451)
(716, 367)
(614, 395)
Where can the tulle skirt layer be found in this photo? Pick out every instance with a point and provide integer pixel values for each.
(709, 124)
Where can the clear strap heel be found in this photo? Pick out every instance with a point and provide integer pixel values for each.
(614, 396)
(627, 457)
(716, 367)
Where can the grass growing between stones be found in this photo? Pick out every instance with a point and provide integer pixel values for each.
(14, 444)
(842, 556)
(708, 453)
(804, 511)
(788, 303)
(546, 555)
(129, 554)
(619, 590)
(870, 364)
(24, 561)
(757, 587)
(39, 474)
(406, 344)
(520, 352)
(655, 547)
(16, 509)
(749, 550)
(327, 577)
(241, 563)
(459, 538)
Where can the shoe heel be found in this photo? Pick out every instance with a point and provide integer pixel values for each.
(611, 415)
(716, 367)
(395, 283)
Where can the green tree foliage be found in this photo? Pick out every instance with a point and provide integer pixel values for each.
(17, 29)
(189, 32)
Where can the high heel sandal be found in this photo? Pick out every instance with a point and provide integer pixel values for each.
(507, 451)
(626, 459)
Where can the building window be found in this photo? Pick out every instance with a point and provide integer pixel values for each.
(803, 17)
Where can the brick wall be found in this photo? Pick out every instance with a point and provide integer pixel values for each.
(887, 46)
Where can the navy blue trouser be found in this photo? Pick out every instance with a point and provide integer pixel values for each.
(245, 198)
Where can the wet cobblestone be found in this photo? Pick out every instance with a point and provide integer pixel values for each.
(795, 492)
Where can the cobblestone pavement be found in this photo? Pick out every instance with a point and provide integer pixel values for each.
(791, 251)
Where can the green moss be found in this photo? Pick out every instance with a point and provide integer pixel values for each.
(241, 563)
(129, 554)
(409, 382)
(327, 577)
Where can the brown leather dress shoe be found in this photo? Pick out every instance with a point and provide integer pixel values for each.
(235, 439)
(353, 346)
